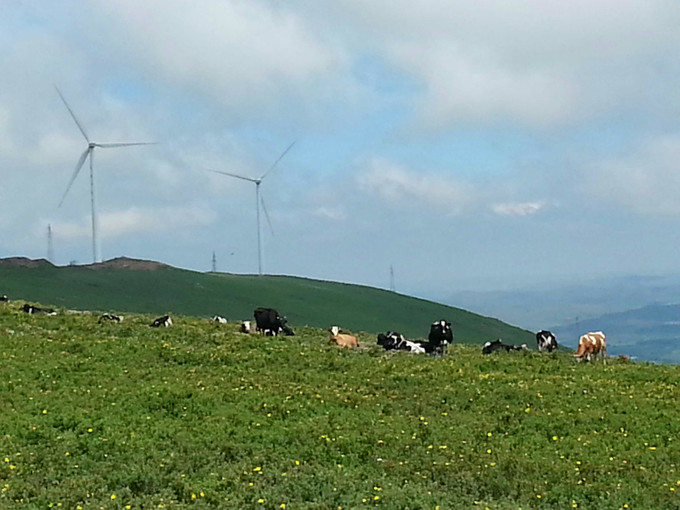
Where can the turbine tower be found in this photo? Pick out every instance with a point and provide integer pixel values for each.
(89, 152)
(259, 201)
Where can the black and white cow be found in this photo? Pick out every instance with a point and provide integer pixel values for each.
(393, 341)
(546, 341)
(219, 320)
(440, 336)
(4, 298)
(246, 327)
(31, 309)
(109, 317)
(498, 345)
(270, 323)
(164, 322)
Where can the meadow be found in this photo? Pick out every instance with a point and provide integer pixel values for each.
(124, 416)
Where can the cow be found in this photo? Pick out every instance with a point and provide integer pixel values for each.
(393, 341)
(31, 309)
(246, 327)
(592, 344)
(219, 320)
(342, 339)
(498, 345)
(108, 317)
(546, 341)
(4, 298)
(164, 321)
(270, 323)
(440, 336)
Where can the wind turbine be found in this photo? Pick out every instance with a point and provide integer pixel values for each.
(259, 201)
(89, 152)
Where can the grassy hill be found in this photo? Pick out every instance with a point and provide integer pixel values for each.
(199, 416)
(127, 285)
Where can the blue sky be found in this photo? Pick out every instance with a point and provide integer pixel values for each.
(468, 144)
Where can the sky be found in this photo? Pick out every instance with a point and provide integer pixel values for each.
(466, 144)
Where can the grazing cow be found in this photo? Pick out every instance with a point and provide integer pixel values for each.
(31, 309)
(498, 345)
(270, 323)
(164, 321)
(440, 336)
(246, 327)
(4, 298)
(219, 320)
(342, 339)
(546, 341)
(592, 345)
(393, 341)
(108, 317)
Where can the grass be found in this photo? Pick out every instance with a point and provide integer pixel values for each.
(304, 301)
(198, 416)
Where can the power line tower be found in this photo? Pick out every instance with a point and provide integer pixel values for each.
(50, 246)
(214, 263)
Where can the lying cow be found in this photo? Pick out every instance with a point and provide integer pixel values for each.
(393, 341)
(546, 341)
(164, 322)
(246, 327)
(498, 345)
(4, 298)
(109, 317)
(342, 339)
(592, 345)
(440, 336)
(31, 309)
(270, 323)
(219, 320)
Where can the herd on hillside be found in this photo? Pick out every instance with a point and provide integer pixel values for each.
(269, 322)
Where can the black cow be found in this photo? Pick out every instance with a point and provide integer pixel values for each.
(31, 309)
(109, 317)
(270, 323)
(546, 341)
(440, 336)
(393, 341)
(164, 321)
(498, 345)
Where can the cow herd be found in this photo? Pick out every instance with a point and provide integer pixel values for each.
(269, 322)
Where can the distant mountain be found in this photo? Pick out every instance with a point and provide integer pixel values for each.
(536, 308)
(130, 285)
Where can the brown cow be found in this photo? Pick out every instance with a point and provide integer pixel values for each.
(342, 339)
(592, 344)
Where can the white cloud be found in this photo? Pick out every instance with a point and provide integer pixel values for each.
(405, 188)
(646, 180)
(517, 208)
(134, 220)
(239, 53)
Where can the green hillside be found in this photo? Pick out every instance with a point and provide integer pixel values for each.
(199, 416)
(126, 285)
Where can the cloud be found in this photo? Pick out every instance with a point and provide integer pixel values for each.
(242, 54)
(645, 181)
(135, 220)
(533, 63)
(404, 188)
(517, 208)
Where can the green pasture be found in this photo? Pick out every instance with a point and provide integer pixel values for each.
(304, 301)
(119, 416)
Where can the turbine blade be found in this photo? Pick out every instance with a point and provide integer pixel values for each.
(266, 215)
(79, 165)
(234, 175)
(80, 126)
(126, 144)
(275, 162)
